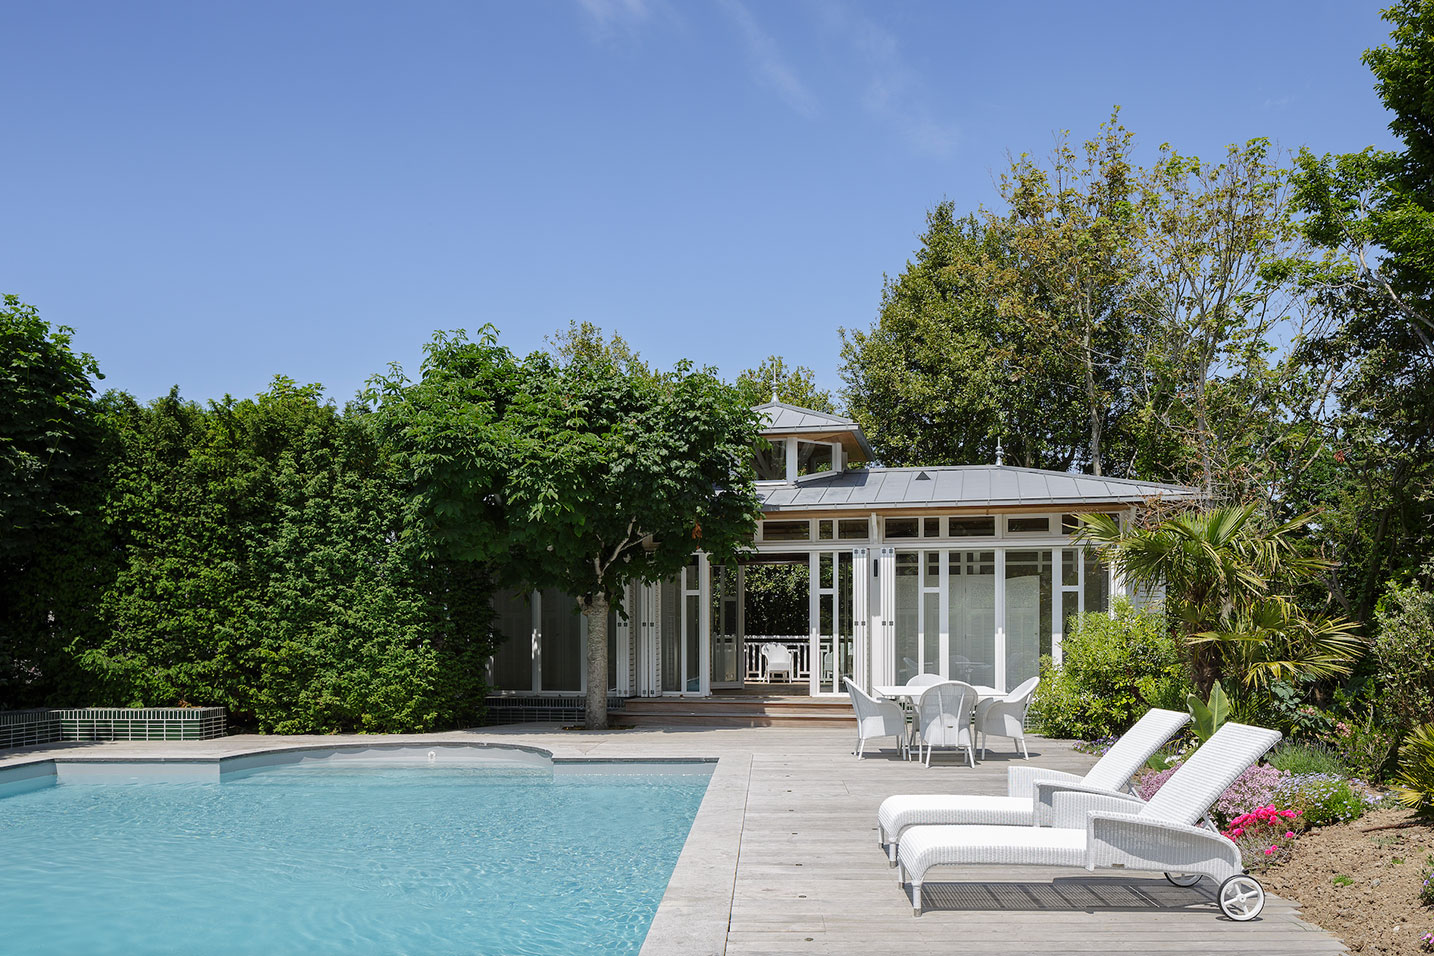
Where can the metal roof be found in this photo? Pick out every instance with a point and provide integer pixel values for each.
(958, 486)
(783, 417)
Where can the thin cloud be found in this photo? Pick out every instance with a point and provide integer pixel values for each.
(894, 93)
(772, 69)
(609, 15)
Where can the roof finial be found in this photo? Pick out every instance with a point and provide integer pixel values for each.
(998, 450)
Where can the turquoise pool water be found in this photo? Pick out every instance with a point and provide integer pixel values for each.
(346, 858)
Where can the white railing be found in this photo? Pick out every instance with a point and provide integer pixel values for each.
(800, 647)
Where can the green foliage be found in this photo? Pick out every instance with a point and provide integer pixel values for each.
(1207, 716)
(775, 598)
(1289, 711)
(1223, 571)
(273, 564)
(795, 385)
(1404, 654)
(1303, 757)
(1414, 784)
(52, 549)
(582, 474)
(1322, 800)
(943, 376)
(1113, 669)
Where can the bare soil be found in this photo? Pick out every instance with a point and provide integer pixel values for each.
(1362, 884)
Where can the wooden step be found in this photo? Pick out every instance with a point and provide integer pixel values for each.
(746, 711)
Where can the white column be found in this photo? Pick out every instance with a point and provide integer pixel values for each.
(704, 625)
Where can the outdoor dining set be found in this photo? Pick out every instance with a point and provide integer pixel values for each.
(929, 711)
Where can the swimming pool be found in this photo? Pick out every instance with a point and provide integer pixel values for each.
(429, 853)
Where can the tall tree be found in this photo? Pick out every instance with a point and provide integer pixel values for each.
(944, 378)
(1216, 241)
(1373, 213)
(1071, 240)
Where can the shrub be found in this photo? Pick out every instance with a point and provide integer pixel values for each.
(1404, 651)
(1322, 798)
(1114, 668)
(1259, 786)
(1306, 757)
(1415, 782)
(1264, 835)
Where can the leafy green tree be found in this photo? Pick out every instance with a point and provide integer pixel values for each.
(1227, 577)
(1217, 246)
(795, 385)
(582, 474)
(615, 477)
(585, 342)
(1071, 238)
(1373, 213)
(53, 553)
(944, 378)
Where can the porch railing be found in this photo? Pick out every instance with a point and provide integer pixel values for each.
(801, 649)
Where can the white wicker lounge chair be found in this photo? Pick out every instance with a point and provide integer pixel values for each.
(1099, 830)
(875, 718)
(1025, 786)
(1006, 716)
(943, 718)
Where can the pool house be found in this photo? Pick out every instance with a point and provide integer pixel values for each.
(965, 571)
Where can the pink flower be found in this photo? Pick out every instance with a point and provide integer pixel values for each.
(1289, 835)
(1271, 850)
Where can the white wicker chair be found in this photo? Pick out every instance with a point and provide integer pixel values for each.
(1006, 716)
(925, 680)
(777, 659)
(875, 718)
(943, 718)
(1026, 785)
(1102, 830)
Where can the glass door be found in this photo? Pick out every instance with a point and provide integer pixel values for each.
(833, 648)
(729, 657)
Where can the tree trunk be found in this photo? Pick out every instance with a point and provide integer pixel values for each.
(595, 610)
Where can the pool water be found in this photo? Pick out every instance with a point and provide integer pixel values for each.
(345, 859)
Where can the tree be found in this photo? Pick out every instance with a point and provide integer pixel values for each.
(53, 553)
(1071, 239)
(1217, 241)
(1227, 578)
(614, 477)
(585, 342)
(795, 385)
(582, 472)
(944, 378)
(1372, 211)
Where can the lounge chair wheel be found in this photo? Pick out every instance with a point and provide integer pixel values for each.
(1241, 898)
(1183, 879)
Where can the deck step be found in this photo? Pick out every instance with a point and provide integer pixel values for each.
(739, 711)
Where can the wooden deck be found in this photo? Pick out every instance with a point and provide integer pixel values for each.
(782, 857)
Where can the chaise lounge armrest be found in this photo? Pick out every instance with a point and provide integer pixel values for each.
(1062, 804)
(1021, 781)
(1140, 843)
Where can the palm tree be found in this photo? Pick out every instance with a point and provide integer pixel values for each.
(1220, 571)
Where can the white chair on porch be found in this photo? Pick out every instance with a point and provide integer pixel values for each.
(777, 659)
(875, 718)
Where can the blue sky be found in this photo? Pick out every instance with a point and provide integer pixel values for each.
(215, 193)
